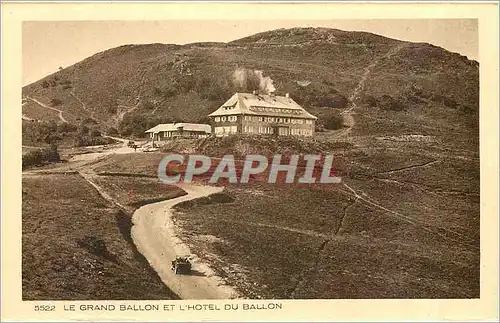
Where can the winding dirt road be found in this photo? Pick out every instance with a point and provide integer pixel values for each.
(154, 232)
(155, 236)
(47, 107)
(347, 114)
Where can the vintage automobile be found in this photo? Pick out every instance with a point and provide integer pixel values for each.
(181, 265)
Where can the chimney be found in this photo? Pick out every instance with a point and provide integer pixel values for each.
(287, 95)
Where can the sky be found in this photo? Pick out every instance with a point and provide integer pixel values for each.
(48, 45)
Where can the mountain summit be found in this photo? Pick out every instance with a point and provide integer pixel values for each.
(134, 87)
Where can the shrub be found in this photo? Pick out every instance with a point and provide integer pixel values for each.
(94, 245)
(446, 101)
(83, 129)
(112, 131)
(148, 105)
(32, 158)
(66, 127)
(95, 133)
(55, 102)
(157, 91)
(333, 122)
(52, 138)
(41, 156)
(387, 102)
(370, 101)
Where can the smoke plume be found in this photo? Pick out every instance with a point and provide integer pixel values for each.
(251, 80)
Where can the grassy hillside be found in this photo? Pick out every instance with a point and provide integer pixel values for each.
(133, 87)
(80, 249)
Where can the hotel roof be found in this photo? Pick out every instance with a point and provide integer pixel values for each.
(263, 105)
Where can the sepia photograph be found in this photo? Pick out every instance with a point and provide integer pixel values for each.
(398, 116)
(248, 160)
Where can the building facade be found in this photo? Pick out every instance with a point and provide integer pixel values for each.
(168, 131)
(262, 114)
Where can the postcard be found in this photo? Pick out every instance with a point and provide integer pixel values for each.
(250, 161)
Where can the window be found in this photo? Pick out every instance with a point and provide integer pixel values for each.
(232, 118)
(217, 119)
(223, 119)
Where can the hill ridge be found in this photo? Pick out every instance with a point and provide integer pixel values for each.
(319, 67)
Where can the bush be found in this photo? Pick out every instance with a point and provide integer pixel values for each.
(83, 129)
(446, 101)
(387, 102)
(55, 102)
(148, 105)
(94, 245)
(66, 127)
(40, 157)
(157, 91)
(333, 122)
(95, 133)
(370, 101)
(112, 131)
(32, 158)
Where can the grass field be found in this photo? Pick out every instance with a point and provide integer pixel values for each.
(76, 246)
(137, 164)
(137, 191)
(405, 225)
